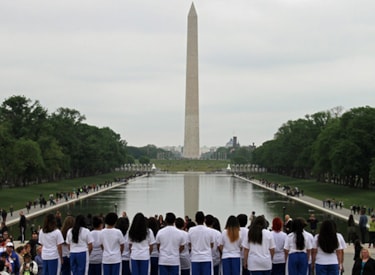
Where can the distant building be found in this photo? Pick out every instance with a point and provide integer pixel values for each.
(233, 142)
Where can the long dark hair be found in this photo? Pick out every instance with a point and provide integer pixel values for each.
(233, 228)
(67, 224)
(297, 228)
(79, 222)
(255, 234)
(138, 230)
(327, 239)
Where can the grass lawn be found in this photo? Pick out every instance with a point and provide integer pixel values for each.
(191, 165)
(319, 190)
(18, 196)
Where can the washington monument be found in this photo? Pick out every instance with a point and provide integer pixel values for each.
(191, 142)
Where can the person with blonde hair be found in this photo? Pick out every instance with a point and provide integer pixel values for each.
(365, 265)
(230, 246)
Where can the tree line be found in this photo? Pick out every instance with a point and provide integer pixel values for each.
(330, 146)
(36, 146)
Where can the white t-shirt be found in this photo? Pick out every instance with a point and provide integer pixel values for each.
(185, 254)
(50, 241)
(111, 239)
(170, 239)
(126, 252)
(279, 238)
(311, 238)
(84, 238)
(230, 249)
(324, 258)
(96, 255)
(259, 255)
(291, 246)
(200, 239)
(141, 250)
(216, 257)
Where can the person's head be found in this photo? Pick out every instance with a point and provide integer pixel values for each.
(34, 235)
(67, 224)
(49, 224)
(97, 222)
(38, 249)
(179, 223)
(111, 218)
(255, 234)
(287, 217)
(20, 250)
(327, 238)
(233, 228)
(9, 247)
(209, 219)
(277, 224)
(27, 258)
(80, 221)
(365, 254)
(123, 224)
(154, 225)
(199, 217)
(5, 235)
(139, 229)
(170, 218)
(242, 219)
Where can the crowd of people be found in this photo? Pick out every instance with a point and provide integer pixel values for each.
(115, 245)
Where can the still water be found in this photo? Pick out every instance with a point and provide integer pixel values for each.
(184, 194)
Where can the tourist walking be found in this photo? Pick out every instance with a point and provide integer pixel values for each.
(112, 242)
(201, 242)
(278, 261)
(259, 247)
(141, 240)
(230, 247)
(298, 248)
(365, 265)
(22, 227)
(351, 229)
(170, 242)
(80, 242)
(327, 251)
(51, 239)
(371, 232)
(363, 225)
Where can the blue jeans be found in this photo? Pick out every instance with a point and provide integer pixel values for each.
(200, 268)
(298, 263)
(168, 269)
(140, 267)
(78, 263)
(231, 266)
(330, 269)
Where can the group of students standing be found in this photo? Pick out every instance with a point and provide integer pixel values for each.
(146, 246)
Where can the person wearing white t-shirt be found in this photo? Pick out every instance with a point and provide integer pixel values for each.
(141, 240)
(211, 221)
(80, 242)
(278, 261)
(259, 247)
(201, 241)
(170, 242)
(184, 254)
(51, 239)
(112, 242)
(122, 224)
(230, 246)
(297, 248)
(327, 250)
(96, 255)
(242, 219)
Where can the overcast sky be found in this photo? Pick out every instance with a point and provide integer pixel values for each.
(122, 64)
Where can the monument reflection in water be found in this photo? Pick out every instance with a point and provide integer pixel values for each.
(217, 194)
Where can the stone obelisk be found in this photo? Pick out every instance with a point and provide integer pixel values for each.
(191, 142)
